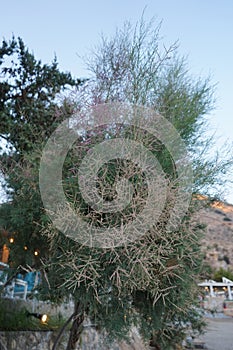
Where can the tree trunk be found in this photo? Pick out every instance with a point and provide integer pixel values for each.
(77, 326)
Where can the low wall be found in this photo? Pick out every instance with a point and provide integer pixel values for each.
(44, 340)
(27, 340)
(214, 303)
(90, 340)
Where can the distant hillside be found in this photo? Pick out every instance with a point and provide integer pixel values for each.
(218, 240)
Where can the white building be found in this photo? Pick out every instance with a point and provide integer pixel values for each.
(214, 288)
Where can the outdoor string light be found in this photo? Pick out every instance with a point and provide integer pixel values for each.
(42, 317)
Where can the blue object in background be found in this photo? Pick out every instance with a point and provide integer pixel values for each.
(30, 278)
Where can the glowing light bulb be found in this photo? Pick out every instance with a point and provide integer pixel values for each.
(11, 240)
(36, 253)
(44, 318)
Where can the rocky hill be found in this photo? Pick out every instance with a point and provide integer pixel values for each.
(218, 239)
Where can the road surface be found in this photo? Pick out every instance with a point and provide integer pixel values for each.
(219, 335)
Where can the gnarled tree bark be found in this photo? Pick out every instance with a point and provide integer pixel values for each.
(77, 326)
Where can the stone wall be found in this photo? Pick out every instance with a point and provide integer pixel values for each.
(27, 340)
(44, 340)
(214, 304)
(90, 340)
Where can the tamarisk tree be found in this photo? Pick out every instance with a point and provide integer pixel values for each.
(108, 195)
(127, 263)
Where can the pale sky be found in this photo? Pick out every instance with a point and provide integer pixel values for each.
(71, 28)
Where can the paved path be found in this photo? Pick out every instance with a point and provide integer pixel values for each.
(219, 335)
